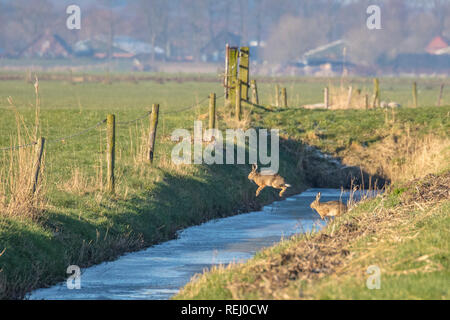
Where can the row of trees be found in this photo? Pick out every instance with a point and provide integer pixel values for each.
(289, 27)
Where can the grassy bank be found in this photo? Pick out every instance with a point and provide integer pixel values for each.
(79, 224)
(403, 233)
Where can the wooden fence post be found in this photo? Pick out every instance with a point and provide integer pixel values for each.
(28, 78)
(441, 92)
(226, 79)
(37, 163)
(284, 98)
(233, 72)
(349, 97)
(414, 92)
(366, 101)
(152, 136)
(255, 99)
(238, 102)
(376, 93)
(71, 76)
(326, 98)
(110, 151)
(244, 71)
(277, 95)
(212, 110)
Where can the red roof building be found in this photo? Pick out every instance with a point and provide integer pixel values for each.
(438, 43)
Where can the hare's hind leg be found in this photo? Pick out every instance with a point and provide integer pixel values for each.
(283, 189)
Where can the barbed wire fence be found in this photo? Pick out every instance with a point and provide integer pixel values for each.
(100, 123)
(110, 128)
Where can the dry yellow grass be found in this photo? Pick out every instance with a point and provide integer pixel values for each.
(342, 97)
(402, 157)
(17, 172)
(80, 184)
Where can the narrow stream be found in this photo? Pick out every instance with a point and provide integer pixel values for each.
(160, 271)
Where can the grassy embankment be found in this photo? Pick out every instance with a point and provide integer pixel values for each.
(404, 232)
(79, 224)
(75, 221)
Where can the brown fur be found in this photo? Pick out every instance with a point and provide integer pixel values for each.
(274, 180)
(328, 209)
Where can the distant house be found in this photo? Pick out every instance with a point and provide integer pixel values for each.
(333, 53)
(256, 47)
(122, 47)
(438, 45)
(136, 47)
(47, 46)
(214, 50)
(326, 60)
(99, 49)
(419, 63)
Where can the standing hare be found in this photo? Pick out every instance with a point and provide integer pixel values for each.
(328, 209)
(272, 180)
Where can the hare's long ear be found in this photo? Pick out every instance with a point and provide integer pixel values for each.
(318, 197)
(253, 167)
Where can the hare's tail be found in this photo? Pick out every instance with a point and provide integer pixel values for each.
(287, 185)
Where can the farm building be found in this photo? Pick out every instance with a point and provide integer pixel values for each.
(122, 47)
(326, 60)
(434, 59)
(214, 50)
(47, 46)
(438, 45)
(99, 49)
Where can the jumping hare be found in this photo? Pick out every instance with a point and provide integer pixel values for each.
(273, 180)
(328, 209)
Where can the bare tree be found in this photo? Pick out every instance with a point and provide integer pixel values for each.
(155, 14)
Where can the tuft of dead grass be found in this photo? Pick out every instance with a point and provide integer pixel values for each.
(227, 115)
(80, 184)
(17, 198)
(342, 97)
(402, 157)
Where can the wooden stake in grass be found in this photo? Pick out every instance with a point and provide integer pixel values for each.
(244, 71)
(212, 110)
(233, 74)
(37, 163)
(110, 151)
(255, 99)
(349, 97)
(376, 93)
(284, 98)
(238, 102)
(277, 95)
(366, 101)
(28, 76)
(326, 100)
(414, 93)
(441, 92)
(226, 77)
(152, 136)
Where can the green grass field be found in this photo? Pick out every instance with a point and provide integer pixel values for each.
(83, 226)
